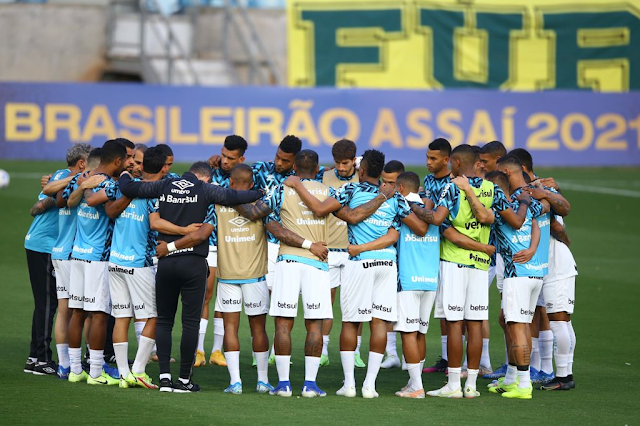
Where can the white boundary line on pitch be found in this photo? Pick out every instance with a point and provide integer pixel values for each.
(599, 190)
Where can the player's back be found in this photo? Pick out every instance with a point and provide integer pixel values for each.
(94, 228)
(133, 241)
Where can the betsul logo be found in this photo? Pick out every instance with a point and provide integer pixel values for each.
(182, 184)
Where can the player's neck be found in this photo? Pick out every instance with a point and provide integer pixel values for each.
(369, 179)
(468, 172)
(151, 177)
(306, 175)
(517, 184)
(442, 173)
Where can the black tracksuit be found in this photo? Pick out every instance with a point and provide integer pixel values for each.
(182, 201)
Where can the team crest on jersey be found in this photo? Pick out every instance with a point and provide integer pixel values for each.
(385, 205)
(182, 184)
(239, 221)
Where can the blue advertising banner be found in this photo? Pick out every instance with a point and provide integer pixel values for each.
(40, 121)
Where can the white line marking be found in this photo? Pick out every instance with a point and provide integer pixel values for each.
(26, 175)
(599, 190)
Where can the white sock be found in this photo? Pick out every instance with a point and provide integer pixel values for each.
(122, 358)
(262, 361)
(572, 349)
(524, 378)
(454, 378)
(359, 340)
(183, 380)
(535, 353)
(512, 373)
(485, 359)
(96, 359)
(311, 365)
(202, 333)
(233, 365)
(282, 365)
(348, 366)
(472, 376)
(63, 355)
(138, 327)
(443, 340)
(415, 376)
(325, 345)
(33, 359)
(421, 365)
(545, 346)
(165, 376)
(561, 336)
(75, 360)
(142, 356)
(373, 367)
(218, 334)
(391, 344)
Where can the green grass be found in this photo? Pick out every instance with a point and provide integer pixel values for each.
(604, 231)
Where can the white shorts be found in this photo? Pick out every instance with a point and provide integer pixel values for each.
(212, 257)
(463, 293)
(293, 279)
(414, 311)
(540, 302)
(63, 276)
(337, 262)
(89, 286)
(492, 275)
(560, 295)
(255, 295)
(499, 272)
(519, 296)
(133, 292)
(272, 257)
(369, 290)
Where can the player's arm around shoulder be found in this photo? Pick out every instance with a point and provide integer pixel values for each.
(319, 208)
(363, 211)
(462, 241)
(387, 240)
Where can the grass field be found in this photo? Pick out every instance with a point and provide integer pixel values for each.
(605, 232)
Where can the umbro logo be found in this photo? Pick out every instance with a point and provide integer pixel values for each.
(385, 205)
(303, 205)
(182, 184)
(239, 221)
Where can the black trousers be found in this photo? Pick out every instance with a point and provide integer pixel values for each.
(185, 276)
(45, 298)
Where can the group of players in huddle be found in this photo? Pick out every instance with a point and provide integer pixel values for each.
(395, 248)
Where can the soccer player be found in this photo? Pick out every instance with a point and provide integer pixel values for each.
(490, 154)
(438, 154)
(78, 162)
(368, 292)
(344, 172)
(231, 154)
(389, 175)
(89, 281)
(461, 296)
(39, 243)
(166, 171)
(182, 273)
(131, 273)
(138, 157)
(522, 283)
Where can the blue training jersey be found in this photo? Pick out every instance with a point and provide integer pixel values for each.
(43, 231)
(67, 217)
(221, 178)
(94, 227)
(432, 187)
(388, 215)
(134, 242)
(418, 259)
(510, 241)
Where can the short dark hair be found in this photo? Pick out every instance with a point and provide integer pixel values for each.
(140, 147)
(153, 160)
(524, 156)
(125, 142)
(465, 153)
(477, 151)
(393, 166)
(410, 180)
(201, 168)
(235, 143)
(442, 145)
(344, 149)
(374, 160)
(291, 144)
(495, 148)
(498, 177)
(77, 152)
(166, 149)
(242, 169)
(111, 150)
(511, 161)
(94, 156)
(306, 161)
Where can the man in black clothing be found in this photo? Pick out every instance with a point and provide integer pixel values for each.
(182, 201)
